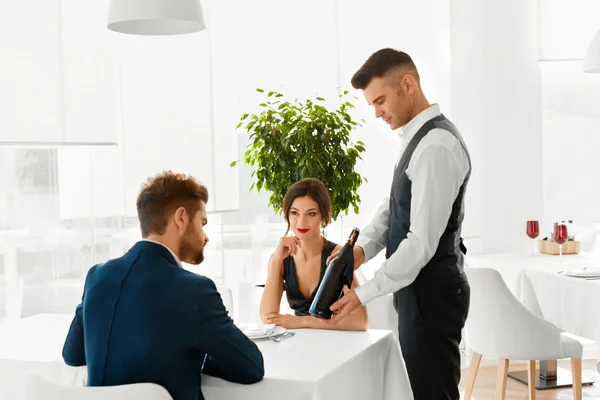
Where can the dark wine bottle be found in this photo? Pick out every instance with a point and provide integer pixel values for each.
(332, 285)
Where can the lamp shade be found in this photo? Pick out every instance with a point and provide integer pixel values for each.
(155, 17)
(592, 56)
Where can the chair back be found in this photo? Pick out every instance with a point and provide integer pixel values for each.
(39, 388)
(499, 326)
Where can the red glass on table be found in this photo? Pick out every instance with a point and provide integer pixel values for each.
(533, 231)
(560, 236)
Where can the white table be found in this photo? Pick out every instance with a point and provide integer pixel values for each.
(536, 282)
(510, 265)
(320, 365)
(313, 364)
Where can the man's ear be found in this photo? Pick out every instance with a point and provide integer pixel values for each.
(409, 83)
(180, 218)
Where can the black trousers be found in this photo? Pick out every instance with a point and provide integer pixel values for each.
(431, 316)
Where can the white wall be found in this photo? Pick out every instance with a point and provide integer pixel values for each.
(570, 118)
(29, 72)
(530, 117)
(496, 104)
(567, 27)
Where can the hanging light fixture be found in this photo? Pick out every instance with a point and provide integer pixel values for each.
(592, 56)
(155, 17)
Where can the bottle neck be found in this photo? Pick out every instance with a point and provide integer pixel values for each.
(348, 247)
(353, 237)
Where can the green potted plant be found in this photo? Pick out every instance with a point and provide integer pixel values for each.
(292, 140)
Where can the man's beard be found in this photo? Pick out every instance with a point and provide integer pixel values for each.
(190, 253)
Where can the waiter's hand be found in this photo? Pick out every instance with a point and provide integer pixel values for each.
(359, 256)
(343, 307)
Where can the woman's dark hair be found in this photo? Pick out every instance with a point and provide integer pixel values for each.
(313, 188)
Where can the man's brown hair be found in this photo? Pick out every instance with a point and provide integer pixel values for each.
(380, 63)
(313, 188)
(164, 193)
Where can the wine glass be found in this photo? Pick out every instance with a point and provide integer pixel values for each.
(533, 231)
(560, 236)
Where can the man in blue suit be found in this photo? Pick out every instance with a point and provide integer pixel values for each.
(143, 318)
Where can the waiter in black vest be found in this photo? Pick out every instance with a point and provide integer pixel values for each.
(419, 226)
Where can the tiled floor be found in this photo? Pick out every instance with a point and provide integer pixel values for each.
(485, 384)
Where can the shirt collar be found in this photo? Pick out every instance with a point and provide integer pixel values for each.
(413, 126)
(170, 251)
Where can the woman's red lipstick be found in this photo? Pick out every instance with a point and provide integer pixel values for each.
(302, 230)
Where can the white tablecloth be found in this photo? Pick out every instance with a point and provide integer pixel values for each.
(313, 364)
(510, 265)
(572, 304)
(323, 365)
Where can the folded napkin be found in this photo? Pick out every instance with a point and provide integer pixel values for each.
(257, 329)
(583, 273)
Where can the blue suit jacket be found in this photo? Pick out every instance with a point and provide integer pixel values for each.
(144, 319)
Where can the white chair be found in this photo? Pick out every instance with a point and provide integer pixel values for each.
(39, 388)
(499, 326)
(227, 297)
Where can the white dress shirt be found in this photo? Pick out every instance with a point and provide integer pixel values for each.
(437, 170)
(170, 251)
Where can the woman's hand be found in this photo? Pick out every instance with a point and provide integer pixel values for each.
(288, 246)
(285, 320)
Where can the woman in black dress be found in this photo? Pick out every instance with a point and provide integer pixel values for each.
(298, 263)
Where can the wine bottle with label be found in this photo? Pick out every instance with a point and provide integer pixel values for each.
(332, 285)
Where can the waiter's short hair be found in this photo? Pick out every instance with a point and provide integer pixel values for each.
(380, 64)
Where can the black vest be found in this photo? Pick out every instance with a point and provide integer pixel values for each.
(448, 259)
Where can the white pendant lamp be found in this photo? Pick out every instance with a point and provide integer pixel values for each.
(155, 17)
(592, 56)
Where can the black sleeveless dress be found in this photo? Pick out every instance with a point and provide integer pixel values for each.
(297, 301)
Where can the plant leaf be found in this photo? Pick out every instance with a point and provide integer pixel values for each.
(291, 140)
